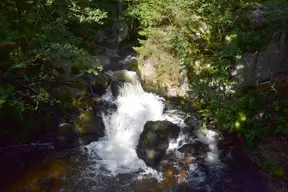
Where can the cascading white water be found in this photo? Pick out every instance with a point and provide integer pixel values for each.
(117, 150)
(123, 127)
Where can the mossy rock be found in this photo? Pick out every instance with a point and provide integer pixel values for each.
(71, 92)
(88, 123)
(133, 67)
(119, 79)
(100, 83)
(154, 141)
(82, 103)
(151, 88)
(69, 86)
(121, 76)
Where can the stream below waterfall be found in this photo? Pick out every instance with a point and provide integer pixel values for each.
(111, 164)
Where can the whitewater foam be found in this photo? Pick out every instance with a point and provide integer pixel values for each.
(116, 152)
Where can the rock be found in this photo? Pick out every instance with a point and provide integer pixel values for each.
(191, 122)
(253, 13)
(190, 132)
(67, 135)
(98, 50)
(115, 34)
(116, 86)
(163, 76)
(170, 162)
(119, 79)
(88, 123)
(195, 149)
(63, 65)
(154, 141)
(67, 87)
(100, 83)
(254, 68)
(104, 60)
(185, 187)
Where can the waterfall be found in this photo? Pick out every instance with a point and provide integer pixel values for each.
(116, 152)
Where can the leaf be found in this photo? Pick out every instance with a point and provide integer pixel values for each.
(2, 102)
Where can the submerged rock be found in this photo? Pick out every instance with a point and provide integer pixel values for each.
(154, 141)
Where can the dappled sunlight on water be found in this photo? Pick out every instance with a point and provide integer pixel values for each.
(47, 176)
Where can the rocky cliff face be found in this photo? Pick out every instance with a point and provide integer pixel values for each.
(269, 60)
(264, 65)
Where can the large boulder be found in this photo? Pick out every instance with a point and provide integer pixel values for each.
(65, 88)
(154, 141)
(99, 83)
(167, 80)
(89, 124)
(270, 59)
(255, 68)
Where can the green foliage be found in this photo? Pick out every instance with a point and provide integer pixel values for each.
(208, 38)
(35, 34)
(273, 169)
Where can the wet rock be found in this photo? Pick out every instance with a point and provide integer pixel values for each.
(195, 149)
(186, 188)
(154, 141)
(100, 83)
(88, 123)
(67, 135)
(115, 87)
(192, 122)
(119, 79)
(169, 163)
(190, 131)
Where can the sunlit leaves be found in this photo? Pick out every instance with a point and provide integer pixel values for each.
(92, 15)
(242, 116)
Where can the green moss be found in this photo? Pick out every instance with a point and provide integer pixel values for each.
(82, 103)
(122, 77)
(101, 81)
(134, 67)
(84, 123)
(149, 87)
(273, 169)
